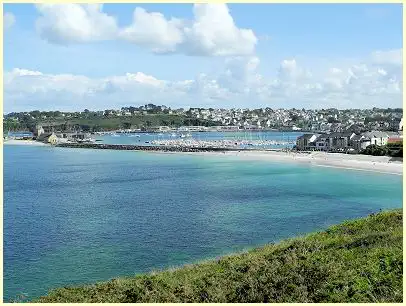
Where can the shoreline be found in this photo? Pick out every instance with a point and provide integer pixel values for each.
(378, 164)
(15, 142)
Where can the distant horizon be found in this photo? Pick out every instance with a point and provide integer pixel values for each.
(76, 56)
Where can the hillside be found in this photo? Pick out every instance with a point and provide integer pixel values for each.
(102, 123)
(357, 261)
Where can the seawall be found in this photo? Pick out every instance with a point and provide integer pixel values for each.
(145, 148)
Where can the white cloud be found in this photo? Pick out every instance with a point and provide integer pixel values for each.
(239, 84)
(212, 32)
(153, 31)
(8, 20)
(74, 23)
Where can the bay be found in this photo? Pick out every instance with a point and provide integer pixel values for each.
(74, 216)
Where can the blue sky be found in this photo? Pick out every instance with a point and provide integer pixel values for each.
(300, 42)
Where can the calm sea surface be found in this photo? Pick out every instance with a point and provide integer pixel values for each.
(74, 216)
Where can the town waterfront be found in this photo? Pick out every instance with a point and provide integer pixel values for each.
(74, 216)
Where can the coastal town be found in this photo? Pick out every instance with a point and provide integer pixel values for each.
(331, 130)
(321, 120)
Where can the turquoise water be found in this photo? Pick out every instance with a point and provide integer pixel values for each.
(74, 216)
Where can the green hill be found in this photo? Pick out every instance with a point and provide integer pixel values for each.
(102, 123)
(357, 261)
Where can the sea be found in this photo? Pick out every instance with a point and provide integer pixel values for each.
(79, 216)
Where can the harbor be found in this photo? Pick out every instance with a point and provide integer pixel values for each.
(223, 143)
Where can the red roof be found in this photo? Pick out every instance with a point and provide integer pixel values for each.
(395, 139)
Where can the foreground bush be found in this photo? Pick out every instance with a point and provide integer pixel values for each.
(357, 261)
(393, 150)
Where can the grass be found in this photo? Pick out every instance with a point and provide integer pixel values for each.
(356, 261)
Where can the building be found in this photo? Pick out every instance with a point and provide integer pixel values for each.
(360, 142)
(377, 137)
(395, 140)
(48, 138)
(339, 141)
(322, 142)
(39, 130)
(306, 142)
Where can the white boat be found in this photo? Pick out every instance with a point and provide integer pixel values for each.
(182, 136)
(173, 135)
(115, 135)
(188, 135)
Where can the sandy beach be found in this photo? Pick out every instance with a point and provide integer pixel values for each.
(24, 143)
(382, 164)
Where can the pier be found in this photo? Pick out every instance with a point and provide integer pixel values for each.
(146, 148)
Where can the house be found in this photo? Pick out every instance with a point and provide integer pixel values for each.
(360, 142)
(339, 141)
(48, 138)
(377, 137)
(322, 142)
(306, 142)
(39, 130)
(395, 140)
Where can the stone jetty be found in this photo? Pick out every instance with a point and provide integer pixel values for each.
(144, 148)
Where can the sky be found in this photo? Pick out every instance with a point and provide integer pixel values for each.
(74, 56)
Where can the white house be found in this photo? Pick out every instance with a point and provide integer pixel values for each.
(377, 137)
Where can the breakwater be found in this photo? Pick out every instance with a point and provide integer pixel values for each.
(145, 148)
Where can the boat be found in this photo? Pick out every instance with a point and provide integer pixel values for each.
(173, 135)
(115, 135)
(188, 135)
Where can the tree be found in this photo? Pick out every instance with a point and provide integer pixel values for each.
(126, 125)
(375, 150)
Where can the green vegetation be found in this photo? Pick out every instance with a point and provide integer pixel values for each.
(96, 123)
(392, 149)
(357, 261)
(146, 121)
